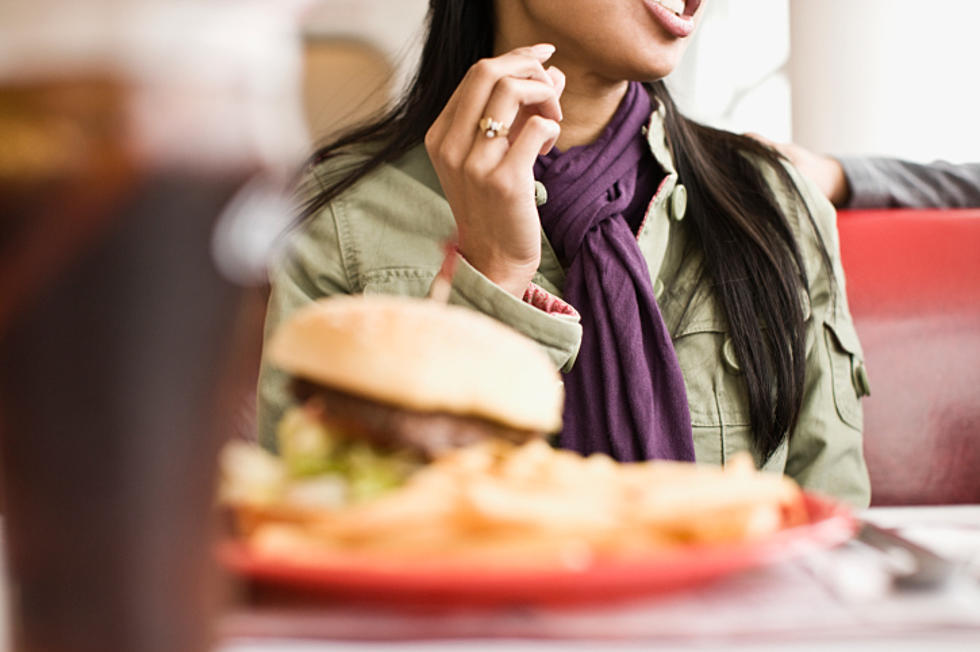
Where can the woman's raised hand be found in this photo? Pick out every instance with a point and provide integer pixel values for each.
(488, 179)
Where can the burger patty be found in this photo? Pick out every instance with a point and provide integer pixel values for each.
(389, 427)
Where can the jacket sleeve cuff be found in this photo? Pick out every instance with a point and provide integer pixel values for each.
(555, 328)
(867, 188)
(541, 299)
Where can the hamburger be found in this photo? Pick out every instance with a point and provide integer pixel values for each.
(385, 385)
(416, 439)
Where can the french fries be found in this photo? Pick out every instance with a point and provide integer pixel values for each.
(504, 505)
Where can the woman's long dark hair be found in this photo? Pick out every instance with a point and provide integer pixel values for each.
(750, 254)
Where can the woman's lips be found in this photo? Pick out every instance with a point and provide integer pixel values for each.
(677, 24)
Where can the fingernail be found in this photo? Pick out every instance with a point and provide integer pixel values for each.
(543, 50)
(552, 71)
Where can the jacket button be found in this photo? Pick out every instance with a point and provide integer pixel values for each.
(861, 381)
(678, 202)
(540, 194)
(658, 288)
(728, 354)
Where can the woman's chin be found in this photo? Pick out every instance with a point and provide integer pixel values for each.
(649, 74)
(653, 66)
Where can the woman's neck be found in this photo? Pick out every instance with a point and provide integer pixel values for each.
(587, 105)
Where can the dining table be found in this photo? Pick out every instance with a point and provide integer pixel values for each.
(851, 596)
(846, 597)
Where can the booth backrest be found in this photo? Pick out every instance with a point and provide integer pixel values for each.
(913, 282)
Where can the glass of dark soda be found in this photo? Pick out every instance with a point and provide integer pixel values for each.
(125, 130)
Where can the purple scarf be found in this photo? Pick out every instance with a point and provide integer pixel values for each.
(625, 394)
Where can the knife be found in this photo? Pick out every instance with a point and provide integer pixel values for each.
(911, 565)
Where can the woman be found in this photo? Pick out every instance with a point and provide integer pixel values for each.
(685, 280)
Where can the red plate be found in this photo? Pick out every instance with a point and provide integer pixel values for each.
(829, 524)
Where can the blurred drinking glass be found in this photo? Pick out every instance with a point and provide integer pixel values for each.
(125, 129)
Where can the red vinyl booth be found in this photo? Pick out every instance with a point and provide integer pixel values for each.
(913, 282)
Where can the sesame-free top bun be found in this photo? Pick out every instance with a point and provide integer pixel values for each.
(422, 355)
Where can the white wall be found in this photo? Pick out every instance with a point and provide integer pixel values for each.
(734, 73)
(897, 77)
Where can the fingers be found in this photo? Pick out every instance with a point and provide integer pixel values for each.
(537, 137)
(476, 86)
(558, 77)
(512, 97)
(455, 130)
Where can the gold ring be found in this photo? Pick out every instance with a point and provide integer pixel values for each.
(492, 128)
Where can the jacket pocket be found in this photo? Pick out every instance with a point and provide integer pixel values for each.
(717, 395)
(847, 368)
(714, 383)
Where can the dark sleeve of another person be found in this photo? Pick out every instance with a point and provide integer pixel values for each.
(891, 183)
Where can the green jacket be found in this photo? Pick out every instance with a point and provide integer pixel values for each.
(386, 235)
